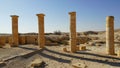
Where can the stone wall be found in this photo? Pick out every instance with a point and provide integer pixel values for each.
(22, 40)
(31, 39)
(2, 40)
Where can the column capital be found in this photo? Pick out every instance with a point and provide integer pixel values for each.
(110, 18)
(40, 14)
(71, 13)
(14, 15)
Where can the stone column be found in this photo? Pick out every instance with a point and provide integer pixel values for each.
(110, 35)
(73, 31)
(15, 41)
(41, 38)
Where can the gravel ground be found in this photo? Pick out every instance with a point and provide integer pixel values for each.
(54, 57)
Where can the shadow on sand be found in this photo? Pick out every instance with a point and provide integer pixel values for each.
(40, 52)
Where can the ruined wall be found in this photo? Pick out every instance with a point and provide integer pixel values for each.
(2, 40)
(22, 40)
(31, 39)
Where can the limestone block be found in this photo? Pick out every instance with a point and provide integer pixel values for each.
(118, 53)
(35, 62)
(82, 47)
(79, 65)
(64, 49)
(2, 63)
(7, 46)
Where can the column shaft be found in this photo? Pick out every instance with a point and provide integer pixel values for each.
(110, 35)
(73, 31)
(41, 38)
(15, 41)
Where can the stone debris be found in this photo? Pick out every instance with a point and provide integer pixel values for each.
(82, 47)
(2, 63)
(65, 49)
(7, 46)
(79, 65)
(118, 53)
(35, 63)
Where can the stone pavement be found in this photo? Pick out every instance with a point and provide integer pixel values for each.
(9, 53)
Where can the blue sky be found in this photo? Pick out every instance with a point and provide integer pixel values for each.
(91, 14)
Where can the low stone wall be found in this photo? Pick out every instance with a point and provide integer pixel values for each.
(22, 40)
(2, 40)
(31, 39)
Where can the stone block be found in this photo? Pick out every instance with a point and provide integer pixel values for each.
(118, 53)
(82, 47)
(64, 49)
(7, 46)
(35, 63)
(79, 65)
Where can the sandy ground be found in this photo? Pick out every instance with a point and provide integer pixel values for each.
(54, 57)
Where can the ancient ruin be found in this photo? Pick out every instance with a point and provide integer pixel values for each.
(83, 44)
(110, 35)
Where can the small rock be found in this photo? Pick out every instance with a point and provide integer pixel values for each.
(2, 64)
(37, 62)
(79, 65)
(7, 46)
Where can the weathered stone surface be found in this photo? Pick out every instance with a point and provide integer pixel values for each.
(2, 41)
(7, 46)
(73, 31)
(82, 40)
(41, 38)
(83, 47)
(22, 40)
(110, 35)
(2, 63)
(10, 40)
(31, 39)
(35, 62)
(15, 40)
(118, 53)
(64, 49)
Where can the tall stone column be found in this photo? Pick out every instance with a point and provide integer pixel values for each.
(110, 35)
(15, 41)
(73, 31)
(41, 37)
